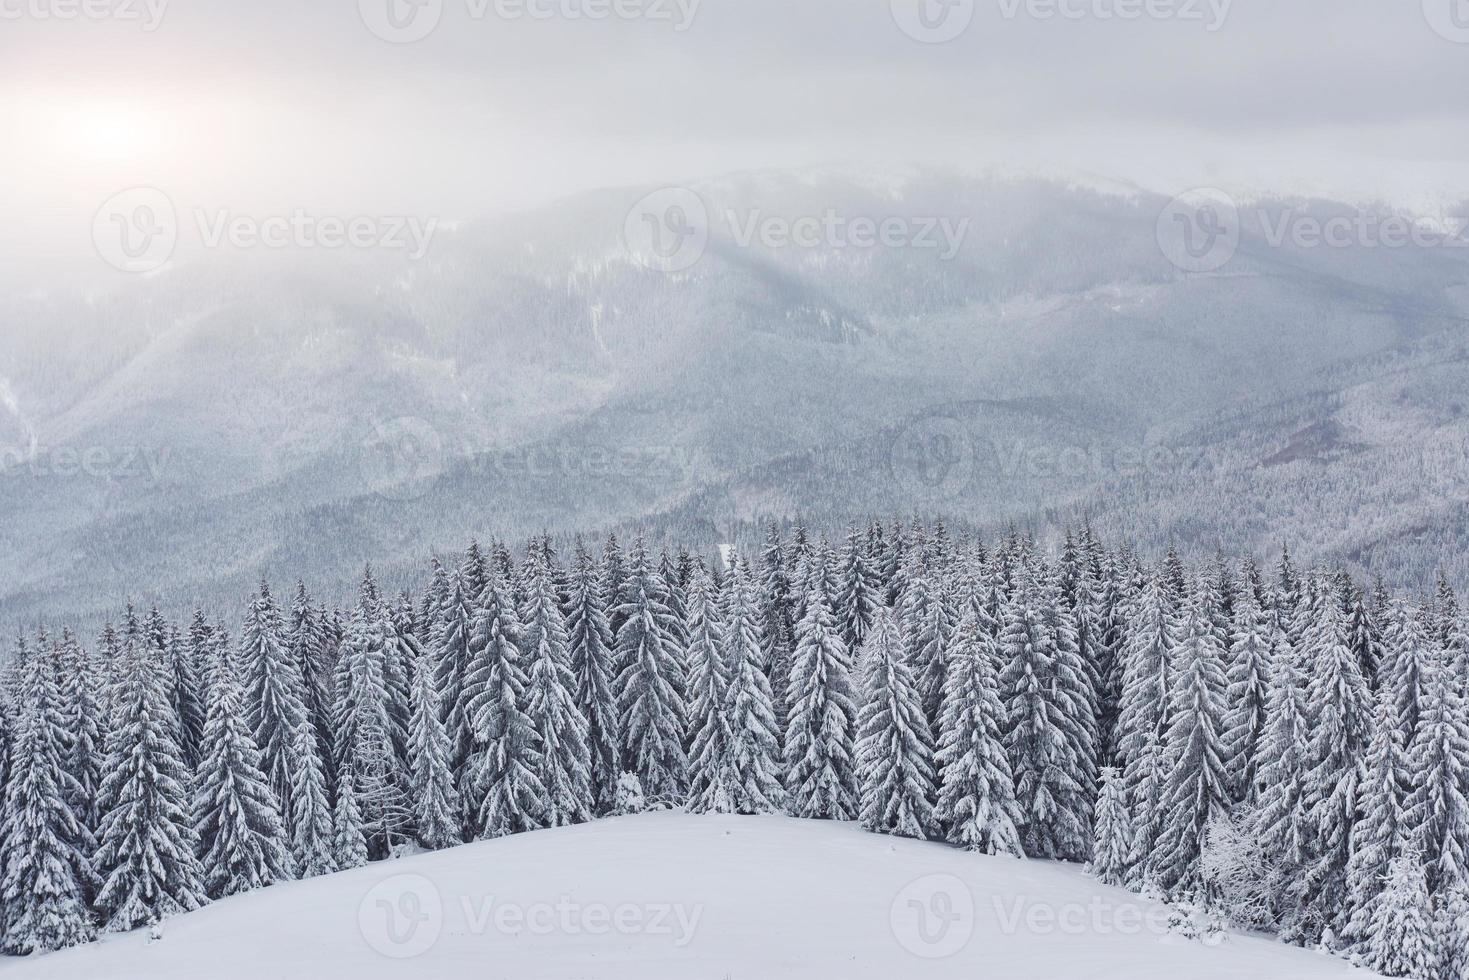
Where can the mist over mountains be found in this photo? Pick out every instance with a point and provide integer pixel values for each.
(297, 413)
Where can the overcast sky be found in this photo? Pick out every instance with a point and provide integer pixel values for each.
(277, 104)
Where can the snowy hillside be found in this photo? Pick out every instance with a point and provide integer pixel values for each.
(687, 897)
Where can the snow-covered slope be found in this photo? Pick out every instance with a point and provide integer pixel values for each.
(684, 897)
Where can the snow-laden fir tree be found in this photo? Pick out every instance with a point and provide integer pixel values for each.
(928, 620)
(1340, 703)
(81, 719)
(46, 874)
(709, 721)
(820, 753)
(311, 836)
(1400, 939)
(1377, 833)
(651, 684)
(146, 847)
(1453, 933)
(560, 727)
(895, 754)
(1043, 718)
(349, 837)
(1248, 694)
(237, 819)
(590, 636)
(1410, 654)
(506, 795)
(976, 802)
(1282, 824)
(859, 598)
(364, 727)
(437, 810)
(1143, 718)
(274, 697)
(1436, 811)
(450, 642)
(186, 691)
(752, 761)
(1075, 696)
(1112, 844)
(1195, 792)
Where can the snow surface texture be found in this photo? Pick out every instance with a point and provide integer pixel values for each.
(670, 895)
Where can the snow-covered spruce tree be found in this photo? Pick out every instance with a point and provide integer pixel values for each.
(274, 697)
(364, 728)
(895, 754)
(976, 803)
(1195, 792)
(1400, 940)
(450, 642)
(311, 837)
(46, 875)
(614, 573)
(1108, 636)
(590, 636)
(1453, 933)
(308, 645)
(753, 757)
(1143, 715)
(1075, 695)
(1042, 718)
(349, 837)
(928, 620)
(81, 719)
(1410, 654)
(859, 599)
(186, 691)
(651, 685)
(821, 770)
(1377, 833)
(1248, 694)
(560, 728)
(237, 820)
(505, 795)
(1436, 810)
(709, 721)
(401, 650)
(1282, 825)
(1340, 703)
(146, 847)
(437, 811)
(1366, 636)
(1112, 846)
(778, 628)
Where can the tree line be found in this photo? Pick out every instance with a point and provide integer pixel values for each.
(1284, 750)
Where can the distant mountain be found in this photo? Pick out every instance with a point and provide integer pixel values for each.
(299, 414)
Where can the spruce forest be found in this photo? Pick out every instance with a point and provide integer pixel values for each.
(1281, 749)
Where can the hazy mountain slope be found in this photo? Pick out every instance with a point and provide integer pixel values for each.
(306, 413)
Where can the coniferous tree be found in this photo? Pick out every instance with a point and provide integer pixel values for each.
(710, 774)
(591, 666)
(237, 817)
(976, 800)
(1280, 819)
(859, 598)
(1400, 939)
(274, 701)
(1248, 694)
(146, 848)
(895, 754)
(821, 772)
(650, 685)
(46, 876)
(1377, 833)
(1112, 844)
(349, 838)
(928, 621)
(186, 690)
(752, 759)
(452, 634)
(1436, 811)
(81, 716)
(311, 837)
(437, 809)
(1196, 791)
(560, 727)
(506, 795)
(1143, 718)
